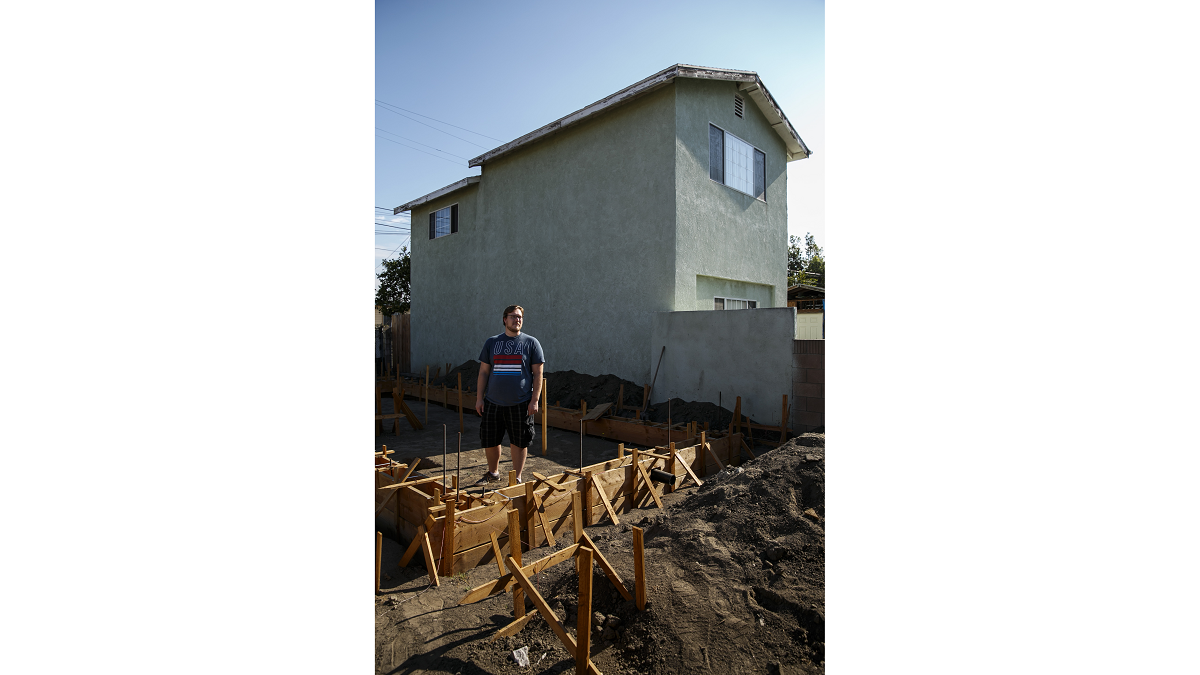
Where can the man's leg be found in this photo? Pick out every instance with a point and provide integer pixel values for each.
(518, 459)
(493, 459)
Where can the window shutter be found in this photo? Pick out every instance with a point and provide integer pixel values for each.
(716, 154)
(760, 175)
(453, 218)
(432, 223)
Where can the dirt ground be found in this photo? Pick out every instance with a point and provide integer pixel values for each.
(735, 572)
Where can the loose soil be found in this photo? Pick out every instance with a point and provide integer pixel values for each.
(568, 388)
(735, 577)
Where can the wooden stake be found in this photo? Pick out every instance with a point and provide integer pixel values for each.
(620, 451)
(530, 518)
(639, 569)
(507, 581)
(586, 487)
(548, 615)
(634, 472)
(583, 626)
(576, 516)
(650, 485)
(512, 477)
(427, 549)
(512, 628)
(514, 549)
(413, 546)
(378, 557)
(609, 570)
(541, 514)
(496, 552)
(714, 455)
(688, 470)
(448, 540)
(701, 458)
(608, 508)
(671, 465)
(411, 469)
(747, 449)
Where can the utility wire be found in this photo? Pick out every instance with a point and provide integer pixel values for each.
(419, 150)
(434, 128)
(420, 143)
(437, 120)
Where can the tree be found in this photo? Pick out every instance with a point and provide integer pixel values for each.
(392, 296)
(806, 265)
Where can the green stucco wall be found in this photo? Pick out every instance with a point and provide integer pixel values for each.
(597, 228)
(578, 228)
(722, 232)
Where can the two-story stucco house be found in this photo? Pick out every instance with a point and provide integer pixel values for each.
(669, 195)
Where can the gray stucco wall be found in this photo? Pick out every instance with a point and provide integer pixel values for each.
(578, 228)
(745, 353)
(722, 232)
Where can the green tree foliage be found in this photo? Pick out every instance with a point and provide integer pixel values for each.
(806, 265)
(394, 284)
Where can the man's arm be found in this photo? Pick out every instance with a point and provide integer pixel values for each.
(480, 386)
(537, 388)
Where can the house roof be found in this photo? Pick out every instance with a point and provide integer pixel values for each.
(749, 84)
(797, 289)
(440, 192)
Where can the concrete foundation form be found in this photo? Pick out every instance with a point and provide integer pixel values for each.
(413, 507)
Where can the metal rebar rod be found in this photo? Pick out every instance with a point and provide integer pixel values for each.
(444, 486)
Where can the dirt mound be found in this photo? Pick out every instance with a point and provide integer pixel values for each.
(747, 547)
(568, 388)
(736, 572)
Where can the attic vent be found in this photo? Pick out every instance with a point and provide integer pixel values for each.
(738, 108)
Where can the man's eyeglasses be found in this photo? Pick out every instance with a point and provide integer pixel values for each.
(518, 317)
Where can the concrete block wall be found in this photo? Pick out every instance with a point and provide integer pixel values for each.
(808, 384)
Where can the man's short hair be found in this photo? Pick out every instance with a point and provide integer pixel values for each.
(512, 308)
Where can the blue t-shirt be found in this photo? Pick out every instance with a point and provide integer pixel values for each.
(511, 359)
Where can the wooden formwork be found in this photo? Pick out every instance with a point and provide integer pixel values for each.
(406, 501)
(618, 429)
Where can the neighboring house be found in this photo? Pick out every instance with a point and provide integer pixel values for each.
(669, 195)
(809, 302)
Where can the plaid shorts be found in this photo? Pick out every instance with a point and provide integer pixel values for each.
(512, 419)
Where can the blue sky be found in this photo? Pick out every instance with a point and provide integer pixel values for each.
(502, 71)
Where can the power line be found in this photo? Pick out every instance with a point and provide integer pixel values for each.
(420, 143)
(439, 121)
(434, 128)
(398, 227)
(419, 150)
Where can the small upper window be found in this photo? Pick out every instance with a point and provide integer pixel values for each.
(739, 107)
(736, 163)
(443, 222)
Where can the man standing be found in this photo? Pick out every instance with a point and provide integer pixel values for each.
(507, 394)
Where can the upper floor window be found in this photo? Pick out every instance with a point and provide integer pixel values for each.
(443, 222)
(734, 303)
(736, 163)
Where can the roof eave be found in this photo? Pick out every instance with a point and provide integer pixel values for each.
(441, 192)
(750, 83)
